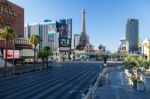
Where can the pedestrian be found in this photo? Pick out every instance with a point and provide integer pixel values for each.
(105, 61)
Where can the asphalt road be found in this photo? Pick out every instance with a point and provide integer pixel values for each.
(66, 82)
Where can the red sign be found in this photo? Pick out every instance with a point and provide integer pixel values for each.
(10, 54)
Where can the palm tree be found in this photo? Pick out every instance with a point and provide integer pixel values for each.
(47, 50)
(101, 51)
(44, 53)
(35, 40)
(7, 34)
(102, 48)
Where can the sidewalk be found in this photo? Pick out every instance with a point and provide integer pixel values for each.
(117, 88)
(26, 68)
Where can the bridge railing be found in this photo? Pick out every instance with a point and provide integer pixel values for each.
(108, 69)
(92, 89)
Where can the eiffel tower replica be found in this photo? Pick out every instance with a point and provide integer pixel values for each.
(83, 38)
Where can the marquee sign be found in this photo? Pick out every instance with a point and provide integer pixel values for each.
(7, 10)
(10, 54)
(7, 13)
(3, 1)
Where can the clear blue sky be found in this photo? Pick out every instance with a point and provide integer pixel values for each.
(105, 19)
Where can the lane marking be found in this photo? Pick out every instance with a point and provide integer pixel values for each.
(121, 78)
(117, 94)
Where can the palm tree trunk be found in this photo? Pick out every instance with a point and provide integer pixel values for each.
(13, 57)
(42, 63)
(34, 57)
(5, 68)
(47, 61)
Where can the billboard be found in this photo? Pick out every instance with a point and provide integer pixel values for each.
(64, 48)
(10, 54)
(64, 42)
(64, 28)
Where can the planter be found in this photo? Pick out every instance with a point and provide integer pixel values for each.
(140, 86)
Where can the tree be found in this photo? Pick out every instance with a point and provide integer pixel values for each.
(7, 34)
(102, 48)
(130, 62)
(34, 41)
(44, 53)
(147, 64)
(48, 52)
(117, 55)
(101, 51)
(136, 64)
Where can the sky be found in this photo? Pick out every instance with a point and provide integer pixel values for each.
(105, 19)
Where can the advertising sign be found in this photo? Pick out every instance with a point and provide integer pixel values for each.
(62, 29)
(64, 48)
(65, 32)
(64, 42)
(7, 13)
(10, 54)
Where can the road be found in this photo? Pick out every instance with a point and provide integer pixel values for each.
(66, 82)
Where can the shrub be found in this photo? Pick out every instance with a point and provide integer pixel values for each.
(134, 78)
(137, 62)
(147, 65)
(139, 81)
(130, 62)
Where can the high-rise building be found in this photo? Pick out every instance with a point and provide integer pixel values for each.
(11, 15)
(57, 35)
(31, 29)
(53, 40)
(47, 31)
(83, 38)
(132, 34)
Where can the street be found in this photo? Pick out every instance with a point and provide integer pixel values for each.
(66, 82)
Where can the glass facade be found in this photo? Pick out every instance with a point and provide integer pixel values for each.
(47, 32)
(132, 34)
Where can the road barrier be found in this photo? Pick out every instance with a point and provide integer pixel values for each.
(91, 92)
(108, 69)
